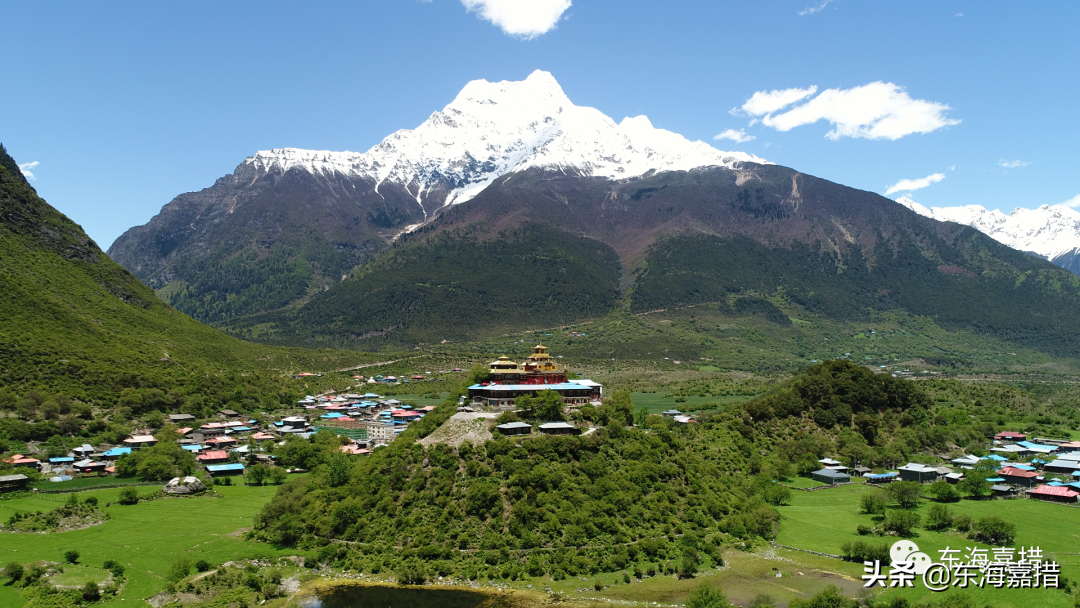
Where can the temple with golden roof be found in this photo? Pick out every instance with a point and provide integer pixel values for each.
(510, 380)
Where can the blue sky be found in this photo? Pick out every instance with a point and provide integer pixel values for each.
(124, 105)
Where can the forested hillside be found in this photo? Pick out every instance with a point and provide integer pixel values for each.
(658, 495)
(78, 327)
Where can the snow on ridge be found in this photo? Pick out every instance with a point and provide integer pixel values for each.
(494, 128)
(1049, 231)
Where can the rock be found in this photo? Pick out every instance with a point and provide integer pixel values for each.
(184, 485)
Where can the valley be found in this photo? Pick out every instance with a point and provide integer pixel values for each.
(532, 353)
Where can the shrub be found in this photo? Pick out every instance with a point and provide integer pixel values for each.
(277, 475)
(91, 501)
(777, 495)
(939, 518)
(943, 491)
(179, 570)
(202, 565)
(902, 522)
(707, 596)
(905, 493)
(864, 530)
(129, 496)
(874, 503)
(962, 523)
(411, 572)
(994, 530)
(71, 556)
(91, 593)
(13, 571)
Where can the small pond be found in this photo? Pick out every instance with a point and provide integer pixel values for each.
(360, 596)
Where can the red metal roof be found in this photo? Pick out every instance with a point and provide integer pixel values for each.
(214, 455)
(1010, 434)
(1011, 472)
(1055, 491)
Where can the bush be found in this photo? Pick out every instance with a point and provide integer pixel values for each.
(91, 593)
(874, 503)
(91, 501)
(864, 530)
(939, 518)
(707, 596)
(902, 522)
(962, 523)
(179, 570)
(905, 493)
(777, 495)
(13, 571)
(202, 565)
(277, 475)
(411, 572)
(994, 530)
(943, 491)
(861, 551)
(115, 567)
(71, 556)
(129, 496)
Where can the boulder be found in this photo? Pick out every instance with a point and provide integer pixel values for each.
(184, 485)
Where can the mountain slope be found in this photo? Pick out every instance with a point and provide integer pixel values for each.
(683, 239)
(1051, 231)
(78, 323)
(288, 223)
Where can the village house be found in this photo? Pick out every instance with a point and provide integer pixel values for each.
(515, 428)
(921, 473)
(1010, 436)
(1019, 477)
(13, 483)
(180, 418)
(830, 476)
(213, 457)
(558, 428)
(18, 460)
(225, 470)
(114, 453)
(220, 443)
(140, 441)
(1054, 493)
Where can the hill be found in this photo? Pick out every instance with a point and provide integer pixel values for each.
(79, 325)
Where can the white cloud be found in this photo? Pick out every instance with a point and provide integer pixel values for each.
(914, 184)
(879, 110)
(1073, 202)
(767, 102)
(739, 136)
(1013, 164)
(521, 18)
(26, 167)
(813, 10)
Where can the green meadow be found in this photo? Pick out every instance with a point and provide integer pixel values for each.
(826, 519)
(146, 538)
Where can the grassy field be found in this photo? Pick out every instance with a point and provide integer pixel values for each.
(825, 519)
(86, 483)
(146, 537)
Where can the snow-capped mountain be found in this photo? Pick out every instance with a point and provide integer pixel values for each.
(1051, 231)
(494, 128)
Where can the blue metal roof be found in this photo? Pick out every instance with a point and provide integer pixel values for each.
(236, 466)
(881, 475)
(62, 459)
(240, 428)
(995, 479)
(1023, 467)
(117, 452)
(332, 415)
(995, 457)
(192, 448)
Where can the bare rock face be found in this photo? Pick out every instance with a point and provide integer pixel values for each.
(184, 485)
